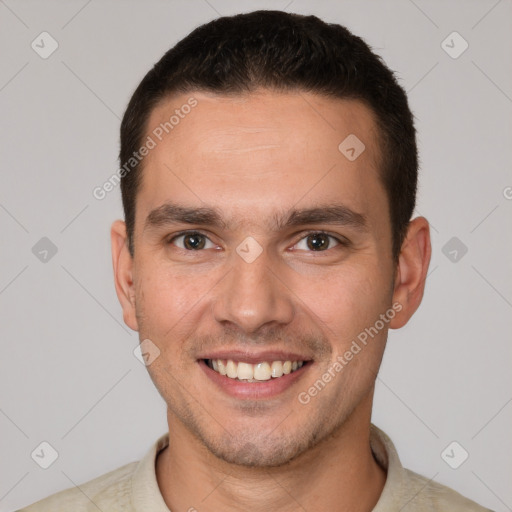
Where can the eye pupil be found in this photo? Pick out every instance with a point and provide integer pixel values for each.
(193, 241)
(318, 241)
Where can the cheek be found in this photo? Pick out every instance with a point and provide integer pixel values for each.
(348, 299)
(167, 302)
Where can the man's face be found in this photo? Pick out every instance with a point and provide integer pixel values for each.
(255, 288)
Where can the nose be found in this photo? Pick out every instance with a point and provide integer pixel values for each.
(253, 296)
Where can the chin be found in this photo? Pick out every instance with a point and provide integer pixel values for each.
(262, 452)
(250, 455)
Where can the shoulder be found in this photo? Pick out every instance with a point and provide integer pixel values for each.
(104, 492)
(408, 491)
(421, 494)
(128, 488)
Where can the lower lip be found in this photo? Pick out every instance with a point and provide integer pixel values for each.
(253, 390)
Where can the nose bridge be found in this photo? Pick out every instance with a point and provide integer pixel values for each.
(251, 295)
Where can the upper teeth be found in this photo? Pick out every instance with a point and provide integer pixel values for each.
(253, 372)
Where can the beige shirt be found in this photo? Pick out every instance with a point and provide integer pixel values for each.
(134, 488)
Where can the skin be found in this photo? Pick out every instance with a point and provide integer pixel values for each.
(254, 156)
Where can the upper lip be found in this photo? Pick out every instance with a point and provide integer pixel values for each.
(253, 358)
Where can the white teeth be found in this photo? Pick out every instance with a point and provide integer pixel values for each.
(231, 369)
(222, 367)
(277, 369)
(254, 372)
(262, 371)
(245, 371)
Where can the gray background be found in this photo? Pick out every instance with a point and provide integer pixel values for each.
(68, 375)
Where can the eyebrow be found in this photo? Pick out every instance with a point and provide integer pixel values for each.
(332, 214)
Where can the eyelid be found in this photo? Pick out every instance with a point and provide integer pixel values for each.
(179, 234)
(339, 238)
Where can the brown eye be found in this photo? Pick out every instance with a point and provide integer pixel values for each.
(191, 241)
(317, 242)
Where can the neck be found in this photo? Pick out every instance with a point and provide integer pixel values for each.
(339, 474)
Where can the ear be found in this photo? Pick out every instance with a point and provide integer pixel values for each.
(122, 262)
(412, 270)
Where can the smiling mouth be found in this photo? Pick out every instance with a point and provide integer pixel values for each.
(247, 372)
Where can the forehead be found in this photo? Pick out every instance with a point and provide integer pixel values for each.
(236, 123)
(252, 155)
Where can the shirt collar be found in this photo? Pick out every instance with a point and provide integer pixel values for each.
(386, 456)
(146, 493)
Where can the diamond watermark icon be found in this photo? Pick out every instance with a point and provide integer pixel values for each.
(351, 147)
(249, 249)
(454, 455)
(44, 250)
(146, 352)
(454, 249)
(44, 454)
(44, 45)
(454, 45)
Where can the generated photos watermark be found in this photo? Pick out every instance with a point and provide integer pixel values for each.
(151, 142)
(357, 345)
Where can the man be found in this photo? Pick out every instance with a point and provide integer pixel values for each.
(269, 170)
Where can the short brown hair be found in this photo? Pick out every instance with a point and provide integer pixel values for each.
(281, 51)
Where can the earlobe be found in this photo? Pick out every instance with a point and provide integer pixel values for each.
(412, 270)
(122, 263)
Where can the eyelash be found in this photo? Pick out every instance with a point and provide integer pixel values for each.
(341, 240)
